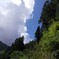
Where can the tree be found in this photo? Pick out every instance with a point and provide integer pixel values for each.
(18, 44)
(49, 13)
(38, 34)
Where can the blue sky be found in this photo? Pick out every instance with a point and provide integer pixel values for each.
(33, 23)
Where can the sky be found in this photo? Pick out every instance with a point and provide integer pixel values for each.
(32, 24)
(19, 18)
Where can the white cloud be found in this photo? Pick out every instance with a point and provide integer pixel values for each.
(29, 3)
(13, 17)
(17, 2)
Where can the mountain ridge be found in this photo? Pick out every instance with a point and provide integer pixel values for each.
(3, 46)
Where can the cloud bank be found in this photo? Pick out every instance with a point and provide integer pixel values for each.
(13, 17)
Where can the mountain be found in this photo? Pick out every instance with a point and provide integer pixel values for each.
(3, 46)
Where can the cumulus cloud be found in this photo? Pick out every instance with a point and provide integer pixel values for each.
(13, 17)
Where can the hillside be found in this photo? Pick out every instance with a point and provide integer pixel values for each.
(3, 46)
(47, 48)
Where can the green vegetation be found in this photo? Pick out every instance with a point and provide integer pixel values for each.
(46, 43)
